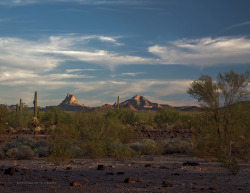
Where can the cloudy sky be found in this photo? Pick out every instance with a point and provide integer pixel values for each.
(99, 49)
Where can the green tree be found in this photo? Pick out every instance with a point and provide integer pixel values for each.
(227, 109)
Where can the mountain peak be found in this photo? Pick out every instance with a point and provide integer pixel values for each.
(70, 103)
(140, 103)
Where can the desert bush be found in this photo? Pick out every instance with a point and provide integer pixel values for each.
(121, 152)
(176, 146)
(42, 151)
(19, 142)
(20, 120)
(230, 163)
(61, 141)
(4, 115)
(145, 118)
(55, 116)
(147, 147)
(21, 152)
(126, 116)
(167, 115)
(99, 132)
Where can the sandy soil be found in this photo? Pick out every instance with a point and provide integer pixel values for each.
(148, 172)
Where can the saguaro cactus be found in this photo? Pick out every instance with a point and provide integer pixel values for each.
(118, 104)
(21, 106)
(17, 108)
(35, 104)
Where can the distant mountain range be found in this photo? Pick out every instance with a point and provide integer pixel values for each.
(136, 103)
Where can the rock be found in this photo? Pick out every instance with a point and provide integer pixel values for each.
(129, 180)
(167, 184)
(101, 167)
(148, 166)
(139, 180)
(50, 179)
(120, 173)
(110, 173)
(166, 167)
(175, 174)
(190, 163)
(10, 171)
(75, 184)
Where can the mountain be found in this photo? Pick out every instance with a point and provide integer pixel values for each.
(71, 104)
(138, 103)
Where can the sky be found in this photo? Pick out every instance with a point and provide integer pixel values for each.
(101, 49)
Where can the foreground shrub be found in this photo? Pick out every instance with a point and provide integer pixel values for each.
(167, 115)
(100, 133)
(148, 147)
(230, 163)
(61, 142)
(21, 152)
(121, 152)
(176, 146)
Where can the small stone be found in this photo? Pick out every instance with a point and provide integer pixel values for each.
(50, 179)
(167, 184)
(101, 167)
(190, 163)
(10, 171)
(120, 173)
(148, 166)
(69, 168)
(175, 174)
(139, 180)
(166, 167)
(110, 173)
(129, 180)
(75, 184)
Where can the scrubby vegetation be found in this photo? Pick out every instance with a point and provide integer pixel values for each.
(221, 130)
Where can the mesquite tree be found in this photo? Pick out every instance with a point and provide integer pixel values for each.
(222, 99)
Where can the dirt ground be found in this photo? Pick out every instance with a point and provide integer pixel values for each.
(148, 173)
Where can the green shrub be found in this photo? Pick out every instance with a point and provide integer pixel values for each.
(230, 163)
(167, 115)
(148, 147)
(121, 152)
(60, 142)
(176, 146)
(126, 116)
(54, 116)
(21, 152)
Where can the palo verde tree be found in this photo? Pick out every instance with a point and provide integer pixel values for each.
(226, 104)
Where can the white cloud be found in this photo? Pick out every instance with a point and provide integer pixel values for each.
(205, 51)
(239, 25)
(88, 2)
(132, 73)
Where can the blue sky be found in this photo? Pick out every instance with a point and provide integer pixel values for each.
(99, 49)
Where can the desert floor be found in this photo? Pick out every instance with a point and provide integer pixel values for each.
(148, 173)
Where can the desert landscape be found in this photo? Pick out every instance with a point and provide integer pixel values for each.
(168, 173)
(126, 96)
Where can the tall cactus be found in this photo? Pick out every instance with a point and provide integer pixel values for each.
(17, 108)
(118, 104)
(21, 106)
(35, 104)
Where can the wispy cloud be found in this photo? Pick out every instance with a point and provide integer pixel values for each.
(79, 70)
(239, 25)
(132, 73)
(88, 2)
(205, 51)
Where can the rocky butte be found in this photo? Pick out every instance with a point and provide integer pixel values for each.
(138, 103)
(71, 104)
